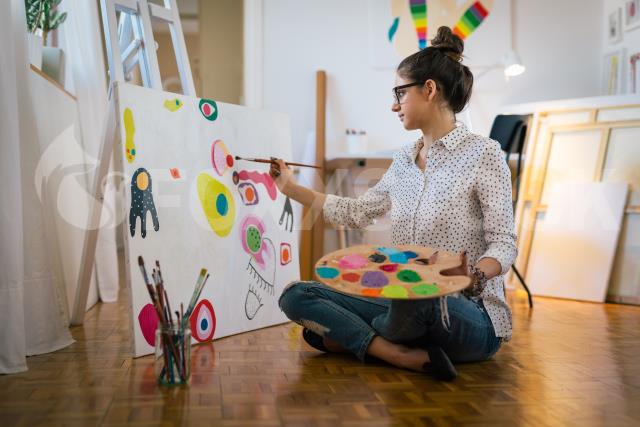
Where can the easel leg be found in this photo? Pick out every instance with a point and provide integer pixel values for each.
(93, 224)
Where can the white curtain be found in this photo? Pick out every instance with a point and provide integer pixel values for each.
(82, 42)
(32, 319)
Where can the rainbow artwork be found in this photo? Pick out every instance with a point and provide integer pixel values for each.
(419, 15)
(470, 20)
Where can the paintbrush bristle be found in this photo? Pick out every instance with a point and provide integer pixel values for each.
(140, 260)
(238, 158)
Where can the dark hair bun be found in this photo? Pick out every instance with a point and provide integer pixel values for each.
(448, 43)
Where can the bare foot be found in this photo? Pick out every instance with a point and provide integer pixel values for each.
(333, 346)
(398, 355)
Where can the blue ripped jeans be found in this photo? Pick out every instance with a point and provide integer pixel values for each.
(353, 322)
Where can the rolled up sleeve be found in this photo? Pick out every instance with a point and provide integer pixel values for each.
(493, 186)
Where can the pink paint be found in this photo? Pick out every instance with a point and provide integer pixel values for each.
(148, 319)
(260, 178)
(352, 262)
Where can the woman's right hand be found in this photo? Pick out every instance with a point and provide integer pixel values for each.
(282, 175)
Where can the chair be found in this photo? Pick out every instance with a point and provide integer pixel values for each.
(510, 131)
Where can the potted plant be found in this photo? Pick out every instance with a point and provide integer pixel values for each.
(42, 17)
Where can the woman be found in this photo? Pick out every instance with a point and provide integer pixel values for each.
(450, 190)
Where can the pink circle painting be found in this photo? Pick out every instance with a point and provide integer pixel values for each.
(148, 320)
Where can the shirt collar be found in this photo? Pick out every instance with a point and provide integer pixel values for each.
(450, 141)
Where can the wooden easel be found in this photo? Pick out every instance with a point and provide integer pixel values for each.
(127, 39)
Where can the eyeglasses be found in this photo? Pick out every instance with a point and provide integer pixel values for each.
(400, 91)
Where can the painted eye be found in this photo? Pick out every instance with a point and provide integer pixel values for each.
(251, 232)
(203, 321)
(209, 109)
(285, 253)
(248, 193)
(217, 203)
(220, 157)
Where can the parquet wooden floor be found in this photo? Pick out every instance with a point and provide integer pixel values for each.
(569, 363)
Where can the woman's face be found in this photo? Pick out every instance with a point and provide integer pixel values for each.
(412, 104)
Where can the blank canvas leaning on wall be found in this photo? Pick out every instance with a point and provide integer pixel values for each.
(191, 205)
(574, 246)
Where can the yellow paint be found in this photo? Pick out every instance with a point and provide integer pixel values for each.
(208, 191)
(173, 104)
(142, 181)
(129, 130)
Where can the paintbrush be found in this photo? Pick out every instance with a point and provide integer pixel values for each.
(274, 162)
(152, 293)
(196, 292)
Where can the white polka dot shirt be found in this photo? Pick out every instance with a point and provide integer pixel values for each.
(462, 201)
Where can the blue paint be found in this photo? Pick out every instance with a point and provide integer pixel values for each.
(410, 254)
(399, 258)
(327, 272)
(204, 324)
(222, 206)
(388, 251)
(394, 28)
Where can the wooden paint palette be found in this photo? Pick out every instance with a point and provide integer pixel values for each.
(392, 272)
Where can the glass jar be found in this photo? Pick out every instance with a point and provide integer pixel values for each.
(173, 350)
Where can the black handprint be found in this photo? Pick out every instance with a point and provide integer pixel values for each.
(287, 214)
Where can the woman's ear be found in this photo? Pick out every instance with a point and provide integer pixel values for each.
(430, 89)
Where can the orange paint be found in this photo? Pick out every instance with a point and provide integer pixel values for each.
(371, 292)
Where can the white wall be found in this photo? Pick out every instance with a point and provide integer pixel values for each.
(559, 42)
(630, 39)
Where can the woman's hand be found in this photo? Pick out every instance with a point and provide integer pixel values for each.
(282, 175)
(462, 270)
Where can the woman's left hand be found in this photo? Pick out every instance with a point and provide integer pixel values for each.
(461, 270)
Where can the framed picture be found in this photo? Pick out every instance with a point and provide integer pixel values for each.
(612, 73)
(634, 73)
(614, 30)
(631, 14)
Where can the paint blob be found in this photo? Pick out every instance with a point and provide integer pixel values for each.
(389, 268)
(129, 130)
(173, 105)
(395, 291)
(351, 277)
(377, 258)
(400, 258)
(353, 261)
(387, 251)
(409, 276)
(426, 289)
(248, 194)
(327, 272)
(374, 279)
(371, 292)
(410, 254)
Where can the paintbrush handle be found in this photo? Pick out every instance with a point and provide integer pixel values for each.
(286, 163)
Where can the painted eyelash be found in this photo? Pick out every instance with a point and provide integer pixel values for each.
(264, 284)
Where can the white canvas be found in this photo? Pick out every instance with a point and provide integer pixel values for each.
(246, 280)
(574, 246)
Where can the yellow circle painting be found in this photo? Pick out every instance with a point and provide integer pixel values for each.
(217, 203)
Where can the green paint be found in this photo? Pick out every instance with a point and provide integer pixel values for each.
(409, 276)
(254, 239)
(394, 291)
(426, 289)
